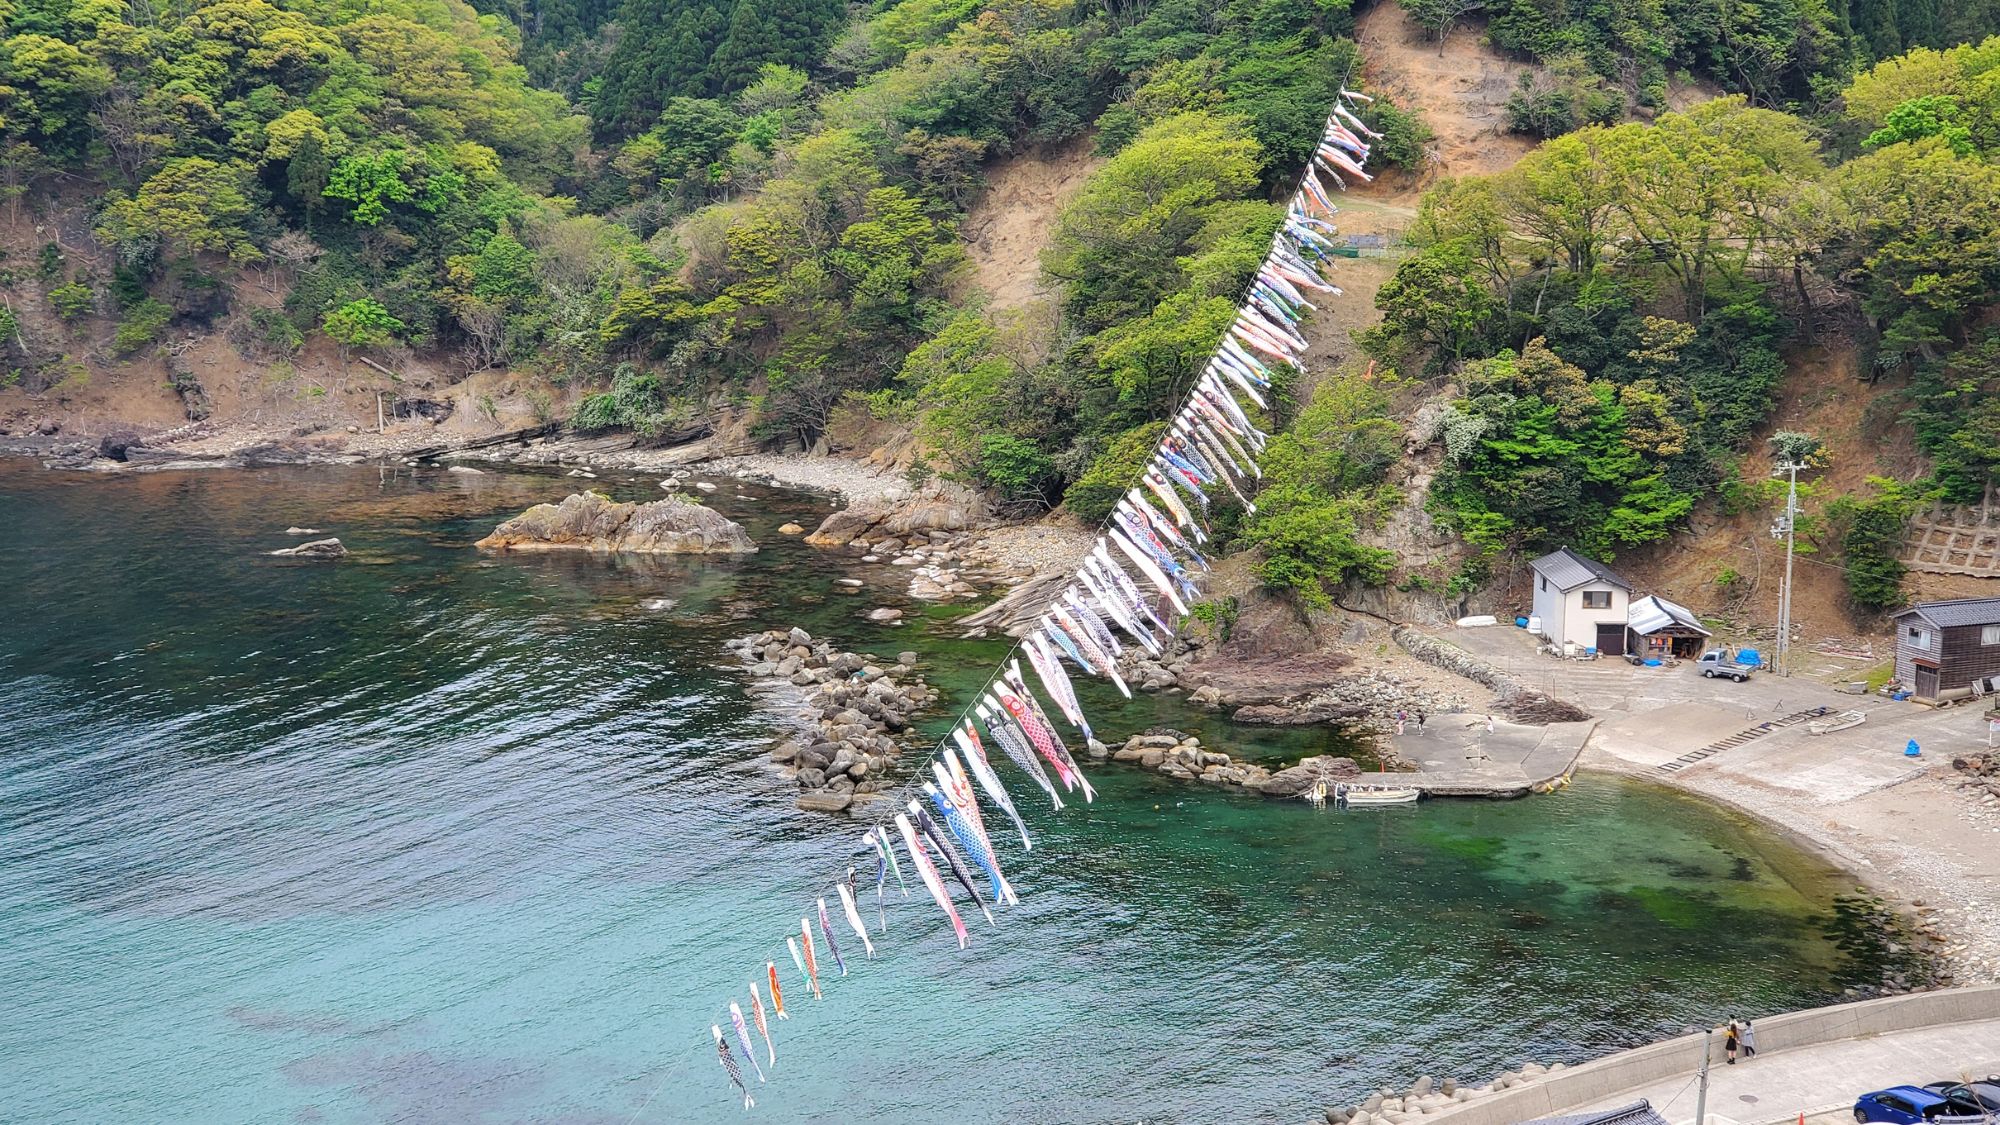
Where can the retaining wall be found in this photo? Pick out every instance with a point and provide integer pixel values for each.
(1601, 1079)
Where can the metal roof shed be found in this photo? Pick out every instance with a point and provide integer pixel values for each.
(1658, 627)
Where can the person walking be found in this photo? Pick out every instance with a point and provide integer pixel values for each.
(1402, 717)
(1730, 1037)
(1749, 1040)
(1420, 722)
(1489, 724)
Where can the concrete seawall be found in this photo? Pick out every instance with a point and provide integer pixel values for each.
(1602, 1079)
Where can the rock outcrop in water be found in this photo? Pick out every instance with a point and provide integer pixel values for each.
(939, 506)
(591, 521)
(1179, 755)
(857, 713)
(317, 549)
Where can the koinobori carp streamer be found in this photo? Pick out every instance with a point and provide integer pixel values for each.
(1145, 570)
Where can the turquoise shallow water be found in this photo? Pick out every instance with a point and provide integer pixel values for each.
(427, 835)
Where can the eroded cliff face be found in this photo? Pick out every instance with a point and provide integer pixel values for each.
(590, 521)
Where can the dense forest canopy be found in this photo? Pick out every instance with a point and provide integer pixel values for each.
(672, 204)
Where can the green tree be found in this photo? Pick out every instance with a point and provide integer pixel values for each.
(1871, 547)
(369, 182)
(1933, 115)
(362, 323)
(1927, 249)
(191, 202)
(1115, 247)
(1696, 188)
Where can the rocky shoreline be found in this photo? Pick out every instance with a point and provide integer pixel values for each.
(1176, 754)
(854, 713)
(1389, 1106)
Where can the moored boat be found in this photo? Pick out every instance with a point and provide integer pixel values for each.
(1355, 796)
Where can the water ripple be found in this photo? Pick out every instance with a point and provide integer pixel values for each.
(456, 837)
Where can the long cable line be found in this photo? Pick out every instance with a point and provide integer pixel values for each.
(1107, 526)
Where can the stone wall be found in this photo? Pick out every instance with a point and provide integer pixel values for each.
(1451, 658)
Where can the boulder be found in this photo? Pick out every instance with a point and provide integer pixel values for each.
(826, 800)
(118, 445)
(316, 549)
(465, 470)
(938, 506)
(591, 521)
(1294, 780)
(791, 529)
(885, 614)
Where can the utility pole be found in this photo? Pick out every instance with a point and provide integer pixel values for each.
(1701, 1095)
(1787, 526)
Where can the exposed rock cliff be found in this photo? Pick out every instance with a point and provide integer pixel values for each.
(589, 521)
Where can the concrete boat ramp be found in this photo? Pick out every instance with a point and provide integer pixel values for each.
(1457, 756)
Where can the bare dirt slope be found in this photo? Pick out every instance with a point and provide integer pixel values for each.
(1822, 394)
(1007, 227)
(83, 387)
(1462, 90)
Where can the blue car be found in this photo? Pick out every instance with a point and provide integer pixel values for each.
(1902, 1105)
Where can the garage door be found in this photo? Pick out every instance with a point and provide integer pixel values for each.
(1611, 640)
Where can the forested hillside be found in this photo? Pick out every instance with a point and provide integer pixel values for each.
(722, 218)
(1614, 312)
(1604, 58)
(654, 210)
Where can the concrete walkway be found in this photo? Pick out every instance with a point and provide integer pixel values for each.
(1825, 1077)
(1457, 756)
(1811, 1062)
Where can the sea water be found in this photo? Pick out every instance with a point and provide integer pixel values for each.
(429, 834)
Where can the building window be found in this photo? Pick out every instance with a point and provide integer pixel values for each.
(1597, 599)
(1990, 635)
(1920, 639)
(1545, 582)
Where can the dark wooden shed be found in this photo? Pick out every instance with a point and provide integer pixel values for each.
(1949, 650)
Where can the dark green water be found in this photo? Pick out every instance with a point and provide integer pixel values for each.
(430, 835)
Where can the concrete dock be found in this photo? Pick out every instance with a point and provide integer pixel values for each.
(1457, 756)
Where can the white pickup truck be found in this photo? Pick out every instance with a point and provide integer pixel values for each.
(1723, 662)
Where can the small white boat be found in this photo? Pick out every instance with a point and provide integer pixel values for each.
(1841, 721)
(1354, 796)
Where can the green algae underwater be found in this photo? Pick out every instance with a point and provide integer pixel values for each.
(431, 834)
